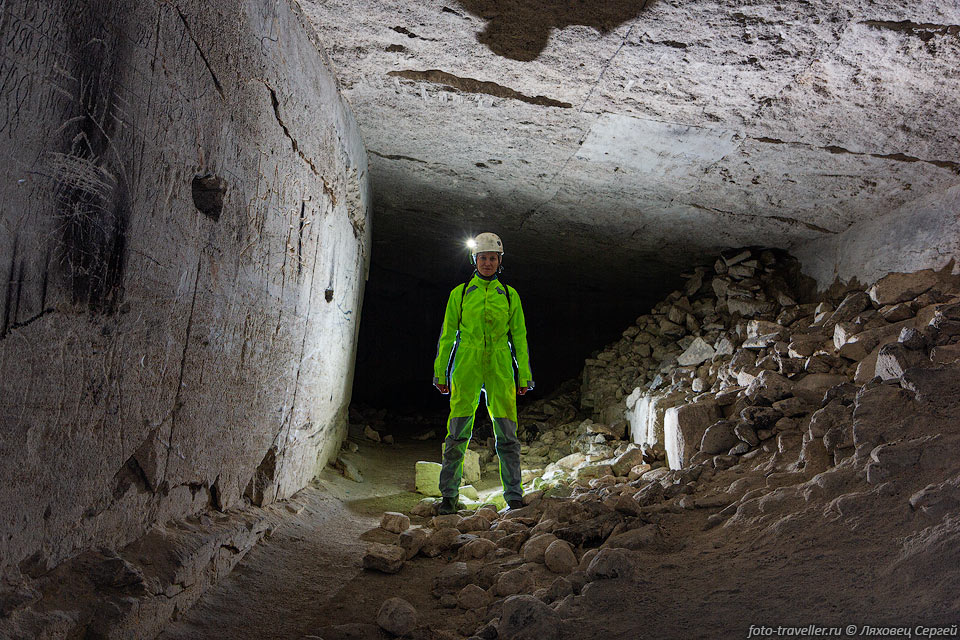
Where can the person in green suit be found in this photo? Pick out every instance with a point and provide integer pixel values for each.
(483, 337)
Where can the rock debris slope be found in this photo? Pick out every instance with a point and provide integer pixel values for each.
(803, 455)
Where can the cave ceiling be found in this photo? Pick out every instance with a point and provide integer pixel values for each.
(613, 144)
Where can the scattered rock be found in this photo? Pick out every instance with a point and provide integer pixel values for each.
(610, 563)
(559, 557)
(412, 540)
(394, 522)
(428, 478)
(533, 550)
(513, 581)
(387, 558)
(397, 616)
(473, 597)
(527, 618)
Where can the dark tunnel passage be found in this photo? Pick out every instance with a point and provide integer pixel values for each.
(402, 317)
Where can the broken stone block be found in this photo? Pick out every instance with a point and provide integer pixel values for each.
(897, 312)
(447, 521)
(747, 308)
(792, 407)
(387, 558)
(439, 541)
(760, 417)
(473, 523)
(371, 433)
(805, 345)
(854, 304)
(683, 429)
(756, 328)
(912, 339)
(411, 541)
(698, 351)
(718, 438)
(397, 616)
(737, 259)
(895, 358)
(723, 346)
(428, 478)
(454, 576)
(770, 386)
(627, 460)
(834, 414)
(746, 434)
(394, 522)
(843, 333)
(901, 287)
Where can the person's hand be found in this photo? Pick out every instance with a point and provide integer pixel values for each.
(522, 391)
(442, 388)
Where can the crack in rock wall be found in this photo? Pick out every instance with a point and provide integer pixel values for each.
(184, 244)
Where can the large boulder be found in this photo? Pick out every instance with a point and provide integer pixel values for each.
(718, 438)
(683, 429)
(895, 358)
(397, 616)
(770, 386)
(900, 287)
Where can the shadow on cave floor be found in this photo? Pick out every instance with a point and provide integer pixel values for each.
(520, 29)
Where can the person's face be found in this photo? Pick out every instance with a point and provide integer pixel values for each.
(487, 263)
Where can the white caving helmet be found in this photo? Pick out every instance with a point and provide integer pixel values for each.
(484, 242)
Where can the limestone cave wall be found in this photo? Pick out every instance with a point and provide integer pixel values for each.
(924, 234)
(183, 250)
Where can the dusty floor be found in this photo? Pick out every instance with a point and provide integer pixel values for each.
(700, 584)
(299, 578)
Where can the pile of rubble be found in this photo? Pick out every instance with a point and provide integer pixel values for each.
(733, 401)
(730, 363)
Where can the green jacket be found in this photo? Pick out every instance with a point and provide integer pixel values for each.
(491, 327)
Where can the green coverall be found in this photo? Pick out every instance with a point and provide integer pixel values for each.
(482, 359)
